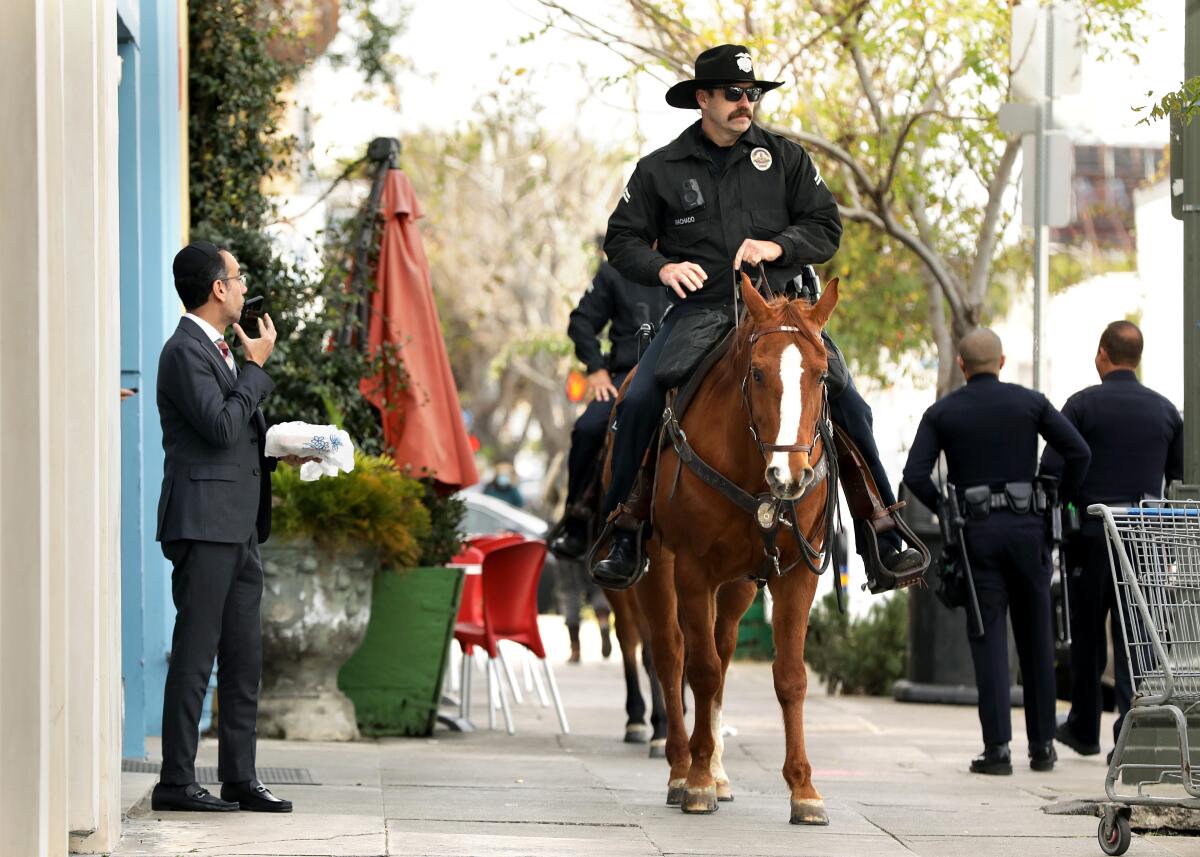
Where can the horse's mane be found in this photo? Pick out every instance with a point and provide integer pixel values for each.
(792, 313)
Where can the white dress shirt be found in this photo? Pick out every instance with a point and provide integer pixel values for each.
(214, 336)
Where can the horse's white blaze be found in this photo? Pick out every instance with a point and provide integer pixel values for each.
(791, 406)
(715, 767)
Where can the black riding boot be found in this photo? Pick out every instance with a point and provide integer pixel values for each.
(622, 567)
(571, 543)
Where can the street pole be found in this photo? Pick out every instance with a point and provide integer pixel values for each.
(1191, 261)
(1041, 209)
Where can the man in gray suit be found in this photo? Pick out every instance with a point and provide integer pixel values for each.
(214, 511)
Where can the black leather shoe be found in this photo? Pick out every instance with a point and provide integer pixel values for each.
(623, 566)
(189, 798)
(994, 760)
(571, 543)
(253, 796)
(1043, 758)
(1064, 734)
(898, 562)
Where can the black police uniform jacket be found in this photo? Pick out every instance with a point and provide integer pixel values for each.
(769, 190)
(216, 477)
(989, 430)
(624, 306)
(1136, 437)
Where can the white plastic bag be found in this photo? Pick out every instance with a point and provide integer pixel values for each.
(329, 444)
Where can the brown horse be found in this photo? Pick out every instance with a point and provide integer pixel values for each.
(754, 420)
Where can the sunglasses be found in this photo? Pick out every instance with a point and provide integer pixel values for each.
(734, 93)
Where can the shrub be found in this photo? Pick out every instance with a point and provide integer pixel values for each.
(445, 517)
(374, 503)
(859, 655)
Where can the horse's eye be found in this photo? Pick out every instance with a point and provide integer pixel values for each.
(824, 377)
(757, 374)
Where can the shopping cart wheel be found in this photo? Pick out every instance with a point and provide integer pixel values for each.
(1114, 833)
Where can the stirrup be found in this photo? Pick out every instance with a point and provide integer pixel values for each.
(880, 578)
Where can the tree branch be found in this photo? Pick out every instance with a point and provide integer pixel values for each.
(988, 231)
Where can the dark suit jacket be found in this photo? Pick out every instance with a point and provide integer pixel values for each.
(216, 480)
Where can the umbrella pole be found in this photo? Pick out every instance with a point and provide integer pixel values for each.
(382, 153)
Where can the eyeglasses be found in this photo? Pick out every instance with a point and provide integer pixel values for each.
(243, 276)
(734, 93)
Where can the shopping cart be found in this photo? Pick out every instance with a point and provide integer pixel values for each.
(1154, 551)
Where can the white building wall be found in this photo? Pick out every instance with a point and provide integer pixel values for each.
(59, 470)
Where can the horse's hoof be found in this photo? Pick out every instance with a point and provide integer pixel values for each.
(675, 792)
(700, 801)
(658, 748)
(724, 791)
(635, 733)
(809, 811)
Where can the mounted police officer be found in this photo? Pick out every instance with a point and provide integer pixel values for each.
(1136, 437)
(989, 433)
(723, 193)
(624, 308)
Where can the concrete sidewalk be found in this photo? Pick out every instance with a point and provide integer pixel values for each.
(894, 777)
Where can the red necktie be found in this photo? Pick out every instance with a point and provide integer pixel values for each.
(223, 347)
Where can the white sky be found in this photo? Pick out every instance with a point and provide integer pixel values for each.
(461, 50)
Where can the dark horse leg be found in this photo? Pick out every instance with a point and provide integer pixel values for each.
(658, 711)
(628, 637)
(733, 600)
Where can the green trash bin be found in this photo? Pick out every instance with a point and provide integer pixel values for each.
(395, 677)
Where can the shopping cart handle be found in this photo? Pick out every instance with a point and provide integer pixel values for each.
(1097, 509)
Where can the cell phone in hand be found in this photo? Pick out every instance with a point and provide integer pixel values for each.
(252, 311)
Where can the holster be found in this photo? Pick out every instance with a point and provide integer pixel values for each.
(977, 502)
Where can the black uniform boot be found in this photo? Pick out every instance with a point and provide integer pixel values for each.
(623, 566)
(571, 543)
(900, 561)
(995, 760)
(1043, 756)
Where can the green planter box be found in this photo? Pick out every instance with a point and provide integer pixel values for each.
(395, 677)
(755, 639)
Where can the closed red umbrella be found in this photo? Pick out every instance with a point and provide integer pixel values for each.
(422, 421)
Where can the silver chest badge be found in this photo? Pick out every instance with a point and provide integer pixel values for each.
(761, 159)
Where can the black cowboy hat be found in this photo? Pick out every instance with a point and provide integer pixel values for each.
(722, 64)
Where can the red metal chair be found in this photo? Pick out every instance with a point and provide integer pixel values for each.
(510, 581)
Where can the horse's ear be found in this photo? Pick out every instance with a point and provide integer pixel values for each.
(823, 308)
(759, 311)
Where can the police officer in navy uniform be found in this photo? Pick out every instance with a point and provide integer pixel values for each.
(724, 193)
(989, 433)
(1136, 438)
(623, 307)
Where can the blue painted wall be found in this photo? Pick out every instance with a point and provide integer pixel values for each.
(151, 234)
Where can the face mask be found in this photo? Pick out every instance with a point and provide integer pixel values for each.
(503, 481)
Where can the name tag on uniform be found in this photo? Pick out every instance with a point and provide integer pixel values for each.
(681, 221)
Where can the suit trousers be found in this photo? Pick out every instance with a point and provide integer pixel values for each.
(1010, 560)
(1093, 601)
(217, 589)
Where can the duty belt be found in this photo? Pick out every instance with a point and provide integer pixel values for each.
(1021, 498)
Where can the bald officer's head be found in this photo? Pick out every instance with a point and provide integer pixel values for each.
(980, 352)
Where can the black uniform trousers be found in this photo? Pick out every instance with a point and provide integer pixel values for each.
(217, 589)
(1093, 600)
(853, 415)
(587, 439)
(1010, 560)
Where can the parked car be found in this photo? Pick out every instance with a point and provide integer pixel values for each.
(488, 515)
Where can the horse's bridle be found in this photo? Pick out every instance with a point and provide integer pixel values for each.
(767, 448)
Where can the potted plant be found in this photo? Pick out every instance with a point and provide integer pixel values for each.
(395, 677)
(329, 539)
